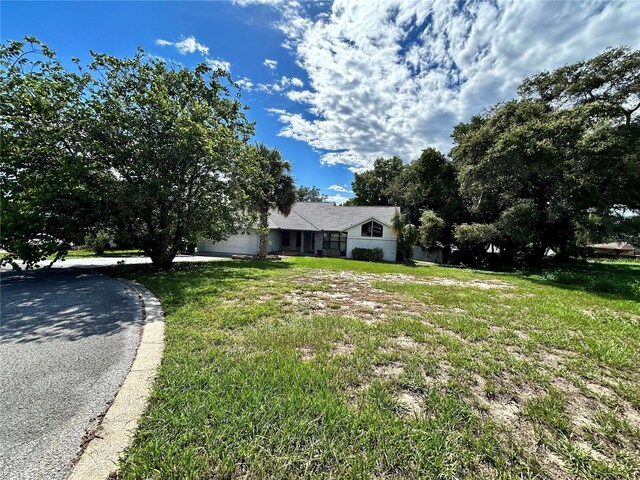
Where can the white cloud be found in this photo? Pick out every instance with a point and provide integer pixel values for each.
(259, 2)
(270, 64)
(301, 96)
(186, 45)
(296, 82)
(339, 188)
(282, 85)
(191, 45)
(245, 84)
(217, 63)
(393, 79)
(339, 199)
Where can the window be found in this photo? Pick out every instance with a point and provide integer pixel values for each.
(335, 241)
(371, 229)
(286, 238)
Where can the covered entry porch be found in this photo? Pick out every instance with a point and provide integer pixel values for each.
(333, 244)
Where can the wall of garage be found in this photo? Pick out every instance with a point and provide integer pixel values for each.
(245, 242)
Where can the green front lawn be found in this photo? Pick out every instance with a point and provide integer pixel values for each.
(317, 367)
(107, 253)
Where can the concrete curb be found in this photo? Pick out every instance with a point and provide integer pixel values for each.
(100, 457)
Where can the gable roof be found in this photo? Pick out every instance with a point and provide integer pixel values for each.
(327, 216)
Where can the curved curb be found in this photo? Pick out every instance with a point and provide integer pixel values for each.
(100, 457)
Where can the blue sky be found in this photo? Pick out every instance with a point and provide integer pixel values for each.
(335, 85)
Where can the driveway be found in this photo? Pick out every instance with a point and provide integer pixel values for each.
(67, 340)
(96, 262)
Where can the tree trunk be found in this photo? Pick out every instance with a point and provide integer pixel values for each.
(263, 231)
(163, 259)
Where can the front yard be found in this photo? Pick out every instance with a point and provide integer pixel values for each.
(332, 368)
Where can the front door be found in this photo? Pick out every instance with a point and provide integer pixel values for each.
(309, 242)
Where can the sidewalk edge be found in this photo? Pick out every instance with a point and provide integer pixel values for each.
(100, 456)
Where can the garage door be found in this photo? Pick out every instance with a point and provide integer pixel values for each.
(242, 243)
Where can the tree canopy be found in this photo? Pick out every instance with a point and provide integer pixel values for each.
(371, 187)
(271, 188)
(536, 168)
(535, 173)
(147, 149)
(310, 194)
(173, 139)
(52, 188)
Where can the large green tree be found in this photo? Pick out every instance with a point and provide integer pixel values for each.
(271, 187)
(174, 140)
(153, 152)
(51, 185)
(430, 184)
(536, 168)
(310, 194)
(372, 186)
(608, 82)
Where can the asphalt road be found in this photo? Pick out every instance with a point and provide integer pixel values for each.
(67, 340)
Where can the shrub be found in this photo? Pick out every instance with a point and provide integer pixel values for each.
(97, 242)
(476, 233)
(368, 254)
(431, 228)
(407, 235)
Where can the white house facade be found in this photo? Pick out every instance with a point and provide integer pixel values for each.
(372, 233)
(321, 228)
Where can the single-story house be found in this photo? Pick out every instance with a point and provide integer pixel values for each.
(615, 249)
(318, 228)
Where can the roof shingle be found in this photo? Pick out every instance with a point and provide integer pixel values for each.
(327, 216)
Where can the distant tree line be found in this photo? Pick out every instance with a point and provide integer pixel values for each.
(554, 168)
(310, 194)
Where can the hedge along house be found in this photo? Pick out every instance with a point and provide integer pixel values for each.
(317, 229)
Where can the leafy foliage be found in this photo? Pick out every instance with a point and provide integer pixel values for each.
(368, 254)
(152, 151)
(609, 81)
(429, 182)
(476, 233)
(406, 235)
(371, 187)
(98, 242)
(545, 171)
(310, 194)
(431, 227)
(50, 186)
(174, 140)
(271, 186)
(539, 168)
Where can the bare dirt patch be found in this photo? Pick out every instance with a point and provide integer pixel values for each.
(440, 378)
(306, 353)
(389, 370)
(342, 348)
(502, 408)
(353, 295)
(504, 400)
(410, 403)
(556, 358)
(405, 342)
(348, 295)
(482, 284)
